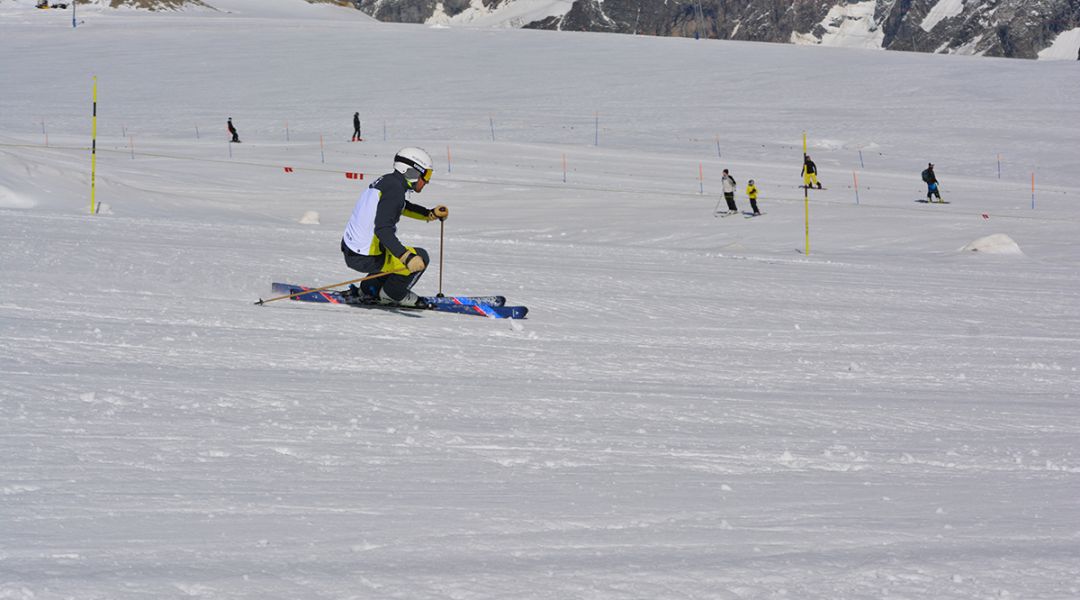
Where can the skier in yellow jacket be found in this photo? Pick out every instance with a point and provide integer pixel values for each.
(751, 192)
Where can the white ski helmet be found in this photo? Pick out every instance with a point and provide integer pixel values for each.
(414, 163)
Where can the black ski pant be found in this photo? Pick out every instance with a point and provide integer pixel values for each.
(396, 285)
(753, 205)
(730, 198)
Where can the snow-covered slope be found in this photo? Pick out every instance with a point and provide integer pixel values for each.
(695, 408)
(286, 8)
(941, 10)
(1065, 46)
(514, 13)
(849, 25)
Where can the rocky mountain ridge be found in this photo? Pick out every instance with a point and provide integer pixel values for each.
(1008, 28)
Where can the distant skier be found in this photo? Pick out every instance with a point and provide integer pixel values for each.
(232, 130)
(809, 173)
(930, 179)
(729, 191)
(751, 192)
(370, 243)
(356, 128)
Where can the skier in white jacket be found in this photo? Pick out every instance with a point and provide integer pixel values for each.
(729, 191)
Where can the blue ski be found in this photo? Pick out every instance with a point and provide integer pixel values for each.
(337, 296)
(489, 300)
(469, 305)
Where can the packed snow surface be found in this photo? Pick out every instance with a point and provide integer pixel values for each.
(696, 407)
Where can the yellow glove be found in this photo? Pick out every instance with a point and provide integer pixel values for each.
(440, 212)
(412, 262)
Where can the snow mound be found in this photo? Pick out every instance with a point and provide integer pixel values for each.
(998, 243)
(310, 217)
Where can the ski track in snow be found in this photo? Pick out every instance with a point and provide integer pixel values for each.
(694, 407)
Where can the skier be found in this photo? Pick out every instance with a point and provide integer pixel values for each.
(930, 178)
(809, 173)
(370, 243)
(751, 192)
(356, 128)
(232, 130)
(729, 191)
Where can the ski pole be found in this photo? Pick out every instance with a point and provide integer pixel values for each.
(442, 231)
(717, 205)
(326, 287)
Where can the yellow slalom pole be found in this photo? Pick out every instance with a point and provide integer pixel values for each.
(93, 154)
(806, 197)
(806, 204)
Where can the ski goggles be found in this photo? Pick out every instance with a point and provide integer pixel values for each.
(414, 169)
